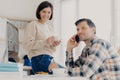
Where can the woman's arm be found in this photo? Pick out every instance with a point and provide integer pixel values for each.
(30, 42)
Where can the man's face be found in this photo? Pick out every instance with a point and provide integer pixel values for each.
(84, 31)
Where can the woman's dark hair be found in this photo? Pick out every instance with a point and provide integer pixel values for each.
(89, 22)
(43, 5)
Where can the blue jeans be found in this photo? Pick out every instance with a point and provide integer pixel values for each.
(41, 63)
(26, 61)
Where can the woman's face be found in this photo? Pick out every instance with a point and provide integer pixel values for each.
(45, 14)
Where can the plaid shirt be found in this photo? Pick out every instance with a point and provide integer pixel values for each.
(98, 61)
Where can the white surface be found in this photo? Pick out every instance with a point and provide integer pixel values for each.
(22, 76)
(3, 40)
(2, 50)
(59, 72)
(10, 76)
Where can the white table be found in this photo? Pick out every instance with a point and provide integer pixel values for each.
(22, 76)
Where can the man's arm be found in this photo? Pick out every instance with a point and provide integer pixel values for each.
(92, 63)
(69, 55)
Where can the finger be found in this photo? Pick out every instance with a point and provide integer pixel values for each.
(73, 37)
(55, 43)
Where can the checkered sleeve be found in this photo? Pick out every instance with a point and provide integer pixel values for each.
(92, 63)
(70, 63)
(69, 59)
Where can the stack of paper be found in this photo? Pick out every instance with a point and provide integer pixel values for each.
(9, 67)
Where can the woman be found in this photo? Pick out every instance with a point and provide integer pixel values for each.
(39, 40)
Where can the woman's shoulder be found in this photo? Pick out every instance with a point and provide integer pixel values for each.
(32, 24)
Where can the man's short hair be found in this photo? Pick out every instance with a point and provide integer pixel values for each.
(89, 22)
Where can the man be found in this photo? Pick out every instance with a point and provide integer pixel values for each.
(98, 61)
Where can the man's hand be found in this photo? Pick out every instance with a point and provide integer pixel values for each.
(72, 43)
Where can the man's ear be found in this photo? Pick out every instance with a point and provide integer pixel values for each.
(94, 29)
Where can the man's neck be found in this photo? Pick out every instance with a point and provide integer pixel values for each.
(88, 41)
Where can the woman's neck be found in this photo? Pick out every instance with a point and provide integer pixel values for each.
(41, 21)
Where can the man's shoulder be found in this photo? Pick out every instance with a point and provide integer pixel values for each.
(102, 42)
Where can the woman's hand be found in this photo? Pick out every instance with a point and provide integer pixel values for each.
(52, 65)
(56, 43)
(50, 40)
(53, 42)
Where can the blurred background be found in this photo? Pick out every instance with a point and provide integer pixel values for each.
(16, 14)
